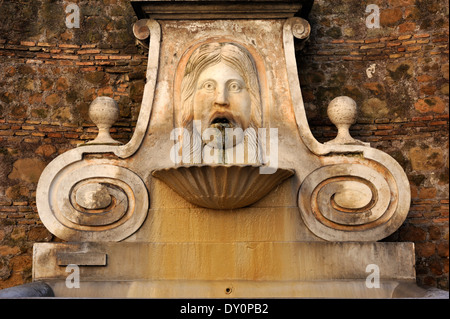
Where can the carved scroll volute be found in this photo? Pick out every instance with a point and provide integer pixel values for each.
(354, 197)
(358, 193)
(301, 29)
(91, 200)
(142, 32)
(101, 199)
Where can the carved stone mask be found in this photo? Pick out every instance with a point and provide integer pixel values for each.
(220, 89)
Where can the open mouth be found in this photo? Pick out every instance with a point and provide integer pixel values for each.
(221, 121)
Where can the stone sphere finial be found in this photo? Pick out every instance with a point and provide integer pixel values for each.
(342, 112)
(104, 112)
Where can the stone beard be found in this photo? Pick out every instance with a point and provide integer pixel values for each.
(221, 105)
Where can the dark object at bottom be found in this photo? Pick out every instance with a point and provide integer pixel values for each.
(34, 289)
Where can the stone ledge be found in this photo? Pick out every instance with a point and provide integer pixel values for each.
(231, 9)
(341, 289)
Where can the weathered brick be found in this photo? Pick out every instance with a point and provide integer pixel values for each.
(443, 39)
(414, 48)
(430, 104)
(427, 249)
(389, 17)
(429, 192)
(65, 57)
(404, 37)
(28, 43)
(421, 35)
(372, 46)
(401, 3)
(407, 27)
(395, 56)
(428, 159)
(373, 40)
(89, 51)
(120, 57)
(393, 44)
(45, 44)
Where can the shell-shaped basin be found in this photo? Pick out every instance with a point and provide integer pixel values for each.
(221, 186)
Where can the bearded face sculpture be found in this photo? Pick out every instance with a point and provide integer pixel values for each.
(220, 95)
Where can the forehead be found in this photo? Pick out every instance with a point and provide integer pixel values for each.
(220, 72)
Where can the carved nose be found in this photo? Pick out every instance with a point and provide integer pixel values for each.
(222, 98)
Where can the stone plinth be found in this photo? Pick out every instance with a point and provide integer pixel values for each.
(229, 270)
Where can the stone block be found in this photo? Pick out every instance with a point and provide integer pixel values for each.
(223, 270)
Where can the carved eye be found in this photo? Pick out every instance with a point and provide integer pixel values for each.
(234, 87)
(209, 86)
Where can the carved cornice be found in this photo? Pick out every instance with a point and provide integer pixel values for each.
(213, 9)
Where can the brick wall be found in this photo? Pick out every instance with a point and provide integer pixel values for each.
(398, 74)
(49, 75)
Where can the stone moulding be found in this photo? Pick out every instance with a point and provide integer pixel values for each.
(291, 31)
(210, 9)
